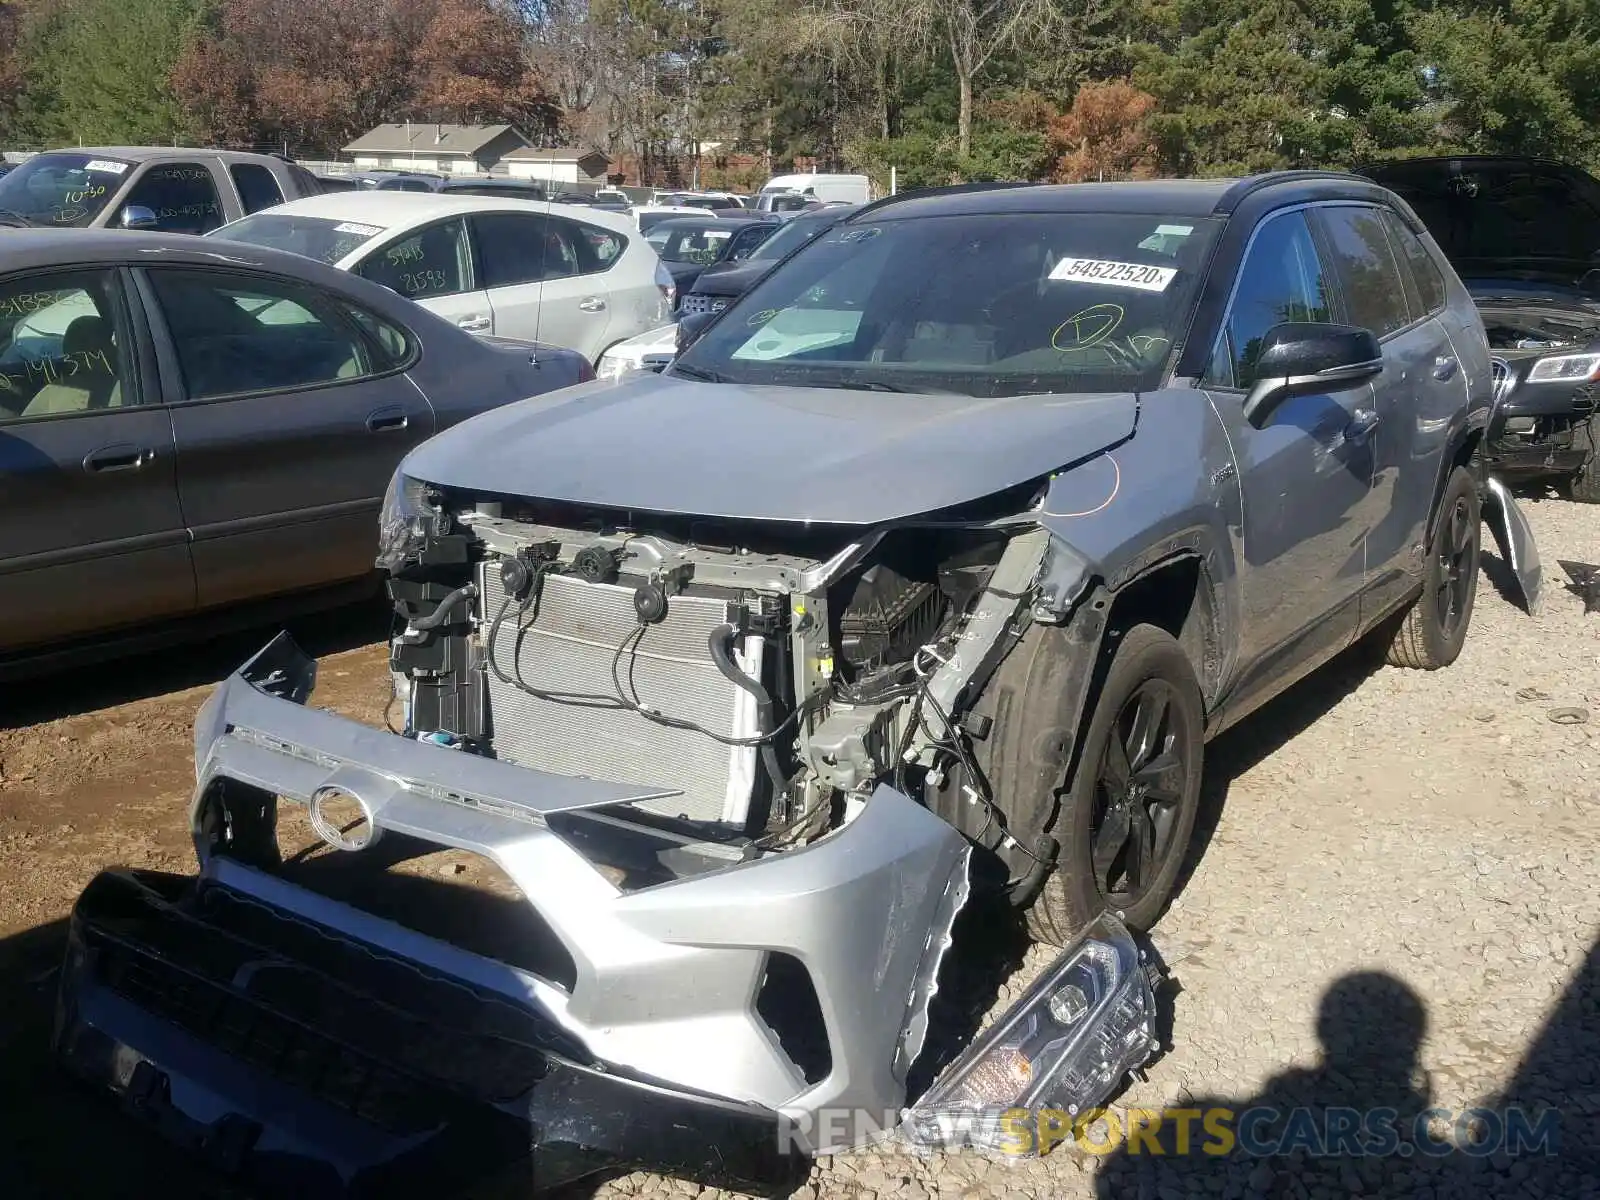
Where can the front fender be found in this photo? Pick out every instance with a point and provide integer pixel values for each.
(1515, 538)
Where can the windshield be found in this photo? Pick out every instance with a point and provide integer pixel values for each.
(61, 189)
(796, 233)
(701, 244)
(1020, 303)
(324, 238)
(1505, 218)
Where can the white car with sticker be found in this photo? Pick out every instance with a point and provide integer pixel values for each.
(567, 275)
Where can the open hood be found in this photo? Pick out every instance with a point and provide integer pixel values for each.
(655, 443)
(1505, 217)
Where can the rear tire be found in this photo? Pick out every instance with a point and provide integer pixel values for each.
(1435, 627)
(1583, 485)
(1127, 815)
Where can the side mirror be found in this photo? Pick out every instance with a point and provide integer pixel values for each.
(1302, 358)
(691, 327)
(137, 216)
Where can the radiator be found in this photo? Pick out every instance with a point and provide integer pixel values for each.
(569, 641)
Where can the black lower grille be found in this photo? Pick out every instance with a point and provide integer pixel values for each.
(377, 1036)
(301, 1057)
(1584, 400)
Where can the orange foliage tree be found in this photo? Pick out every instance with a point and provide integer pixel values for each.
(1105, 134)
(318, 73)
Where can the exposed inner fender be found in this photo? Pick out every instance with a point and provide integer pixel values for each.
(1025, 768)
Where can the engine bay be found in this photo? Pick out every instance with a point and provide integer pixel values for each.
(764, 679)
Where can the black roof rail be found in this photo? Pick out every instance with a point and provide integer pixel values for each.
(1230, 199)
(953, 189)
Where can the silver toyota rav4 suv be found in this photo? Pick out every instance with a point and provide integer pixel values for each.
(926, 571)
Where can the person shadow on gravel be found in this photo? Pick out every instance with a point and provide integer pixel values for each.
(1301, 1136)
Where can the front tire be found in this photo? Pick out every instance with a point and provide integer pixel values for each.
(1127, 814)
(1435, 627)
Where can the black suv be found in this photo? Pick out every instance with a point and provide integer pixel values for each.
(1524, 235)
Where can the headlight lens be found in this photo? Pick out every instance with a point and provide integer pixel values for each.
(1565, 368)
(1086, 1022)
(614, 366)
(407, 518)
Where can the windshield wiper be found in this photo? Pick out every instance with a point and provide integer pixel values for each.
(11, 217)
(699, 373)
(879, 385)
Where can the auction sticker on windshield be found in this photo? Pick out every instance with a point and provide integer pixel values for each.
(354, 227)
(106, 165)
(1114, 274)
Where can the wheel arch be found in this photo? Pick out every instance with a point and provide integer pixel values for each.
(1461, 450)
(1174, 592)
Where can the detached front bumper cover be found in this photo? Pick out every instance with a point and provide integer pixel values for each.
(313, 1048)
(301, 1063)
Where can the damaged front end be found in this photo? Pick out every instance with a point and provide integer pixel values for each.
(716, 787)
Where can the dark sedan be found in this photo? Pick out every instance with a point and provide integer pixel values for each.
(719, 283)
(1524, 235)
(185, 426)
(688, 245)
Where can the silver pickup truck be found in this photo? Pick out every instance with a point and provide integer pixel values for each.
(170, 189)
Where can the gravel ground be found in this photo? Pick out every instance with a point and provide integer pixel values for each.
(1387, 845)
(1396, 905)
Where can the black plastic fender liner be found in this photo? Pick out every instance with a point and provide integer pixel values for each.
(293, 1082)
(1027, 756)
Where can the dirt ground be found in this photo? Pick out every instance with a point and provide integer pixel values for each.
(1397, 890)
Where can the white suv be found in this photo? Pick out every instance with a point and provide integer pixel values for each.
(561, 274)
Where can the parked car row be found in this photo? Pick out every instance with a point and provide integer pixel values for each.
(90, 357)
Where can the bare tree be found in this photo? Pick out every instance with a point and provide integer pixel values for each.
(880, 32)
(976, 30)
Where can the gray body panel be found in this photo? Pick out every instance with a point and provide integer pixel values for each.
(237, 498)
(660, 444)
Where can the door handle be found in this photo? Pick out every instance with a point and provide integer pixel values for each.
(121, 457)
(1444, 366)
(387, 418)
(592, 304)
(1362, 422)
(474, 324)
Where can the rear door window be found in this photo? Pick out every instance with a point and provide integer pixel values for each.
(1428, 283)
(183, 197)
(518, 248)
(258, 188)
(239, 334)
(433, 261)
(1374, 292)
(63, 345)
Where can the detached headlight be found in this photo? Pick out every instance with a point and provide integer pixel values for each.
(1565, 368)
(1063, 1048)
(407, 518)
